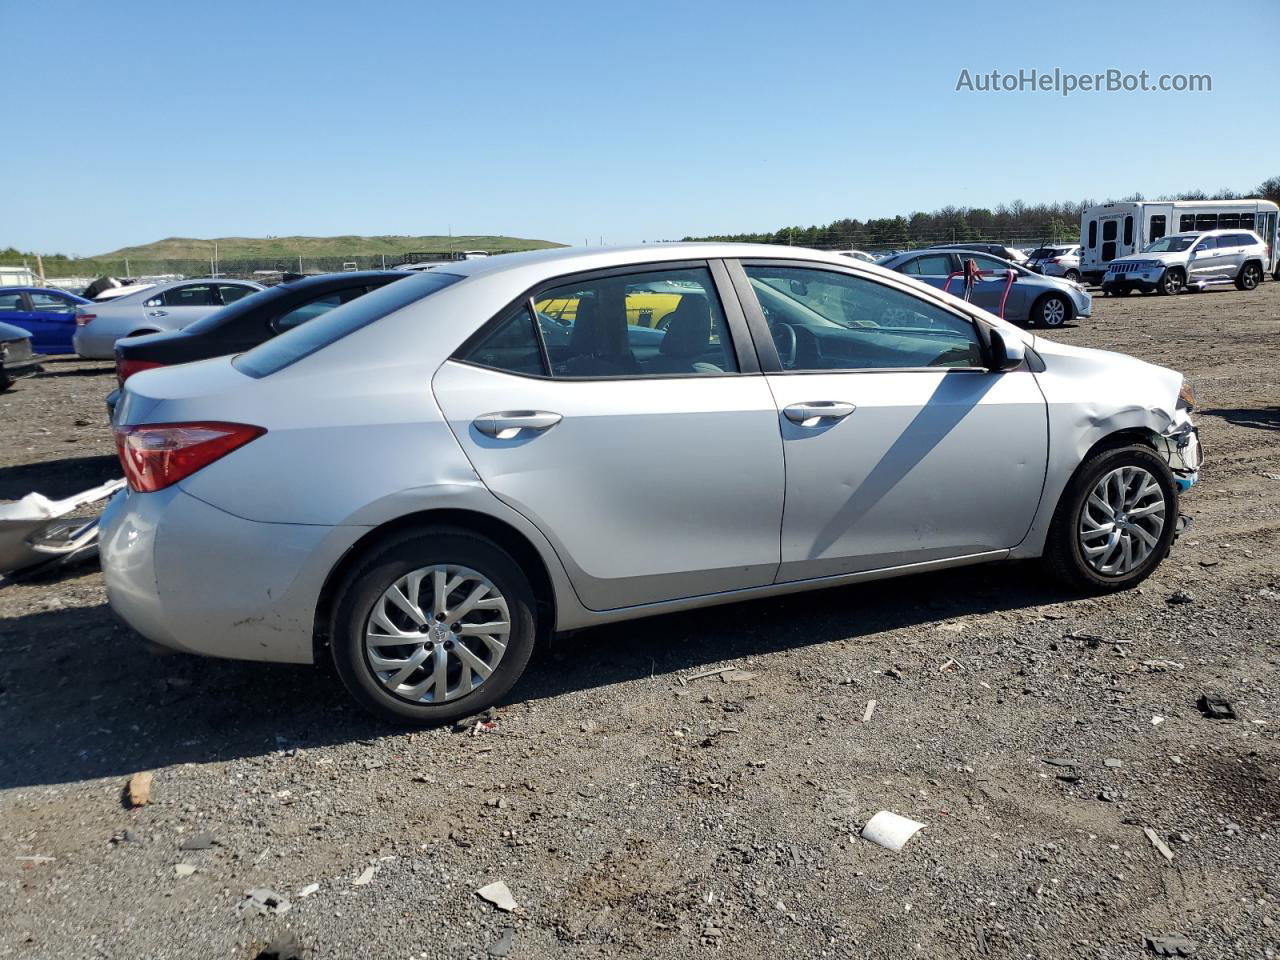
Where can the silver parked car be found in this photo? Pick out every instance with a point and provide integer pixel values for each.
(1062, 260)
(505, 458)
(165, 306)
(1031, 299)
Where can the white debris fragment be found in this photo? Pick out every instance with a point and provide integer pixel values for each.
(499, 895)
(365, 877)
(869, 712)
(308, 890)
(889, 830)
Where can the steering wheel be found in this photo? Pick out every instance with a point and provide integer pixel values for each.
(784, 338)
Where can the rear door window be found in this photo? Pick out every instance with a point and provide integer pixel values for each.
(193, 295)
(933, 265)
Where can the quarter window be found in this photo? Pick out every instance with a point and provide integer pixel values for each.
(231, 292)
(823, 320)
(513, 345)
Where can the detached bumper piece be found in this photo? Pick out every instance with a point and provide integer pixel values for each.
(37, 533)
(1181, 448)
(1183, 525)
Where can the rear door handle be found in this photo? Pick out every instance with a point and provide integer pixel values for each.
(817, 412)
(157, 313)
(509, 425)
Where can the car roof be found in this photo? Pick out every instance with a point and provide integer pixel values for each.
(65, 293)
(322, 279)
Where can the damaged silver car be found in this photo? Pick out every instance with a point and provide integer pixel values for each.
(423, 481)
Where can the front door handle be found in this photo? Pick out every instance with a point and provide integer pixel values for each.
(509, 425)
(816, 413)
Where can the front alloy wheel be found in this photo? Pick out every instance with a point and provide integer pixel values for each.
(1115, 521)
(1171, 282)
(1052, 311)
(1122, 521)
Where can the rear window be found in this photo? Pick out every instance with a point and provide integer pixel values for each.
(292, 346)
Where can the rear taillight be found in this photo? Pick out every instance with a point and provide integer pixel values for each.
(127, 368)
(84, 318)
(1053, 259)
(158, 455)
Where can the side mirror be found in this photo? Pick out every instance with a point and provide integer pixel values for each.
(1007, 351)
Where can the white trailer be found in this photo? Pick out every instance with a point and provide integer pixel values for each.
(1112, 230)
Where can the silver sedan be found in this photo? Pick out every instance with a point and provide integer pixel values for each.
(165, 306)
(423, 481)
(1028, 298)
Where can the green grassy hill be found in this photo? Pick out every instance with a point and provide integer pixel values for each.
(247, 248)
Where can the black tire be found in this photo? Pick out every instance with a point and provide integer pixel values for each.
(387, 563)
(1249, 277)
(1073, 276)
(1122, 291)
(1063, 555)
(1172, 282)
(1043, 313)
(5, 382)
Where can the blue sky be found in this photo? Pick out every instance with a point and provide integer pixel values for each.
(575, 121)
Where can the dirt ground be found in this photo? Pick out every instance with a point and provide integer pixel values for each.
(636, 810)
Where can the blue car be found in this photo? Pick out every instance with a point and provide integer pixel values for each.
(48, 315)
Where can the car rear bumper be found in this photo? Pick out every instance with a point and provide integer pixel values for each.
(93, 346)
(189, 576)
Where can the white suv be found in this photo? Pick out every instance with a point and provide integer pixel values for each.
(1190, 261)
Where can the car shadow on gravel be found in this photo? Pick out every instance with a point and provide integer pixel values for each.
(82, 697)
(675, 643)
(1261, 418)
(57, 478)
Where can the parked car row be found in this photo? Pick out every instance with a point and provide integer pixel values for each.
(500, 426)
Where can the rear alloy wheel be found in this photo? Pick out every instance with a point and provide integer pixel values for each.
(1250, 276)
(433, 627)
(1115, 521)
(1051, 311)
(1073, 276)
(1171, 282)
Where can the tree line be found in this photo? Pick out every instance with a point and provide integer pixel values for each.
(1039, 223)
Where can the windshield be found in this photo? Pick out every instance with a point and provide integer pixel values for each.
(1170, 244)
(304, 340)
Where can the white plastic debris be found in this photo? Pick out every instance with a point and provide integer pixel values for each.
(889, 830)
(499, 895)
(365, 877)
(308, 890)
(23, 523)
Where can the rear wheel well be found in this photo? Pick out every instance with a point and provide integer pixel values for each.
(503, 534)
(1253, 262)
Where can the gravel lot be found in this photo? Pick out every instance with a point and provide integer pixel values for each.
(636, 811)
